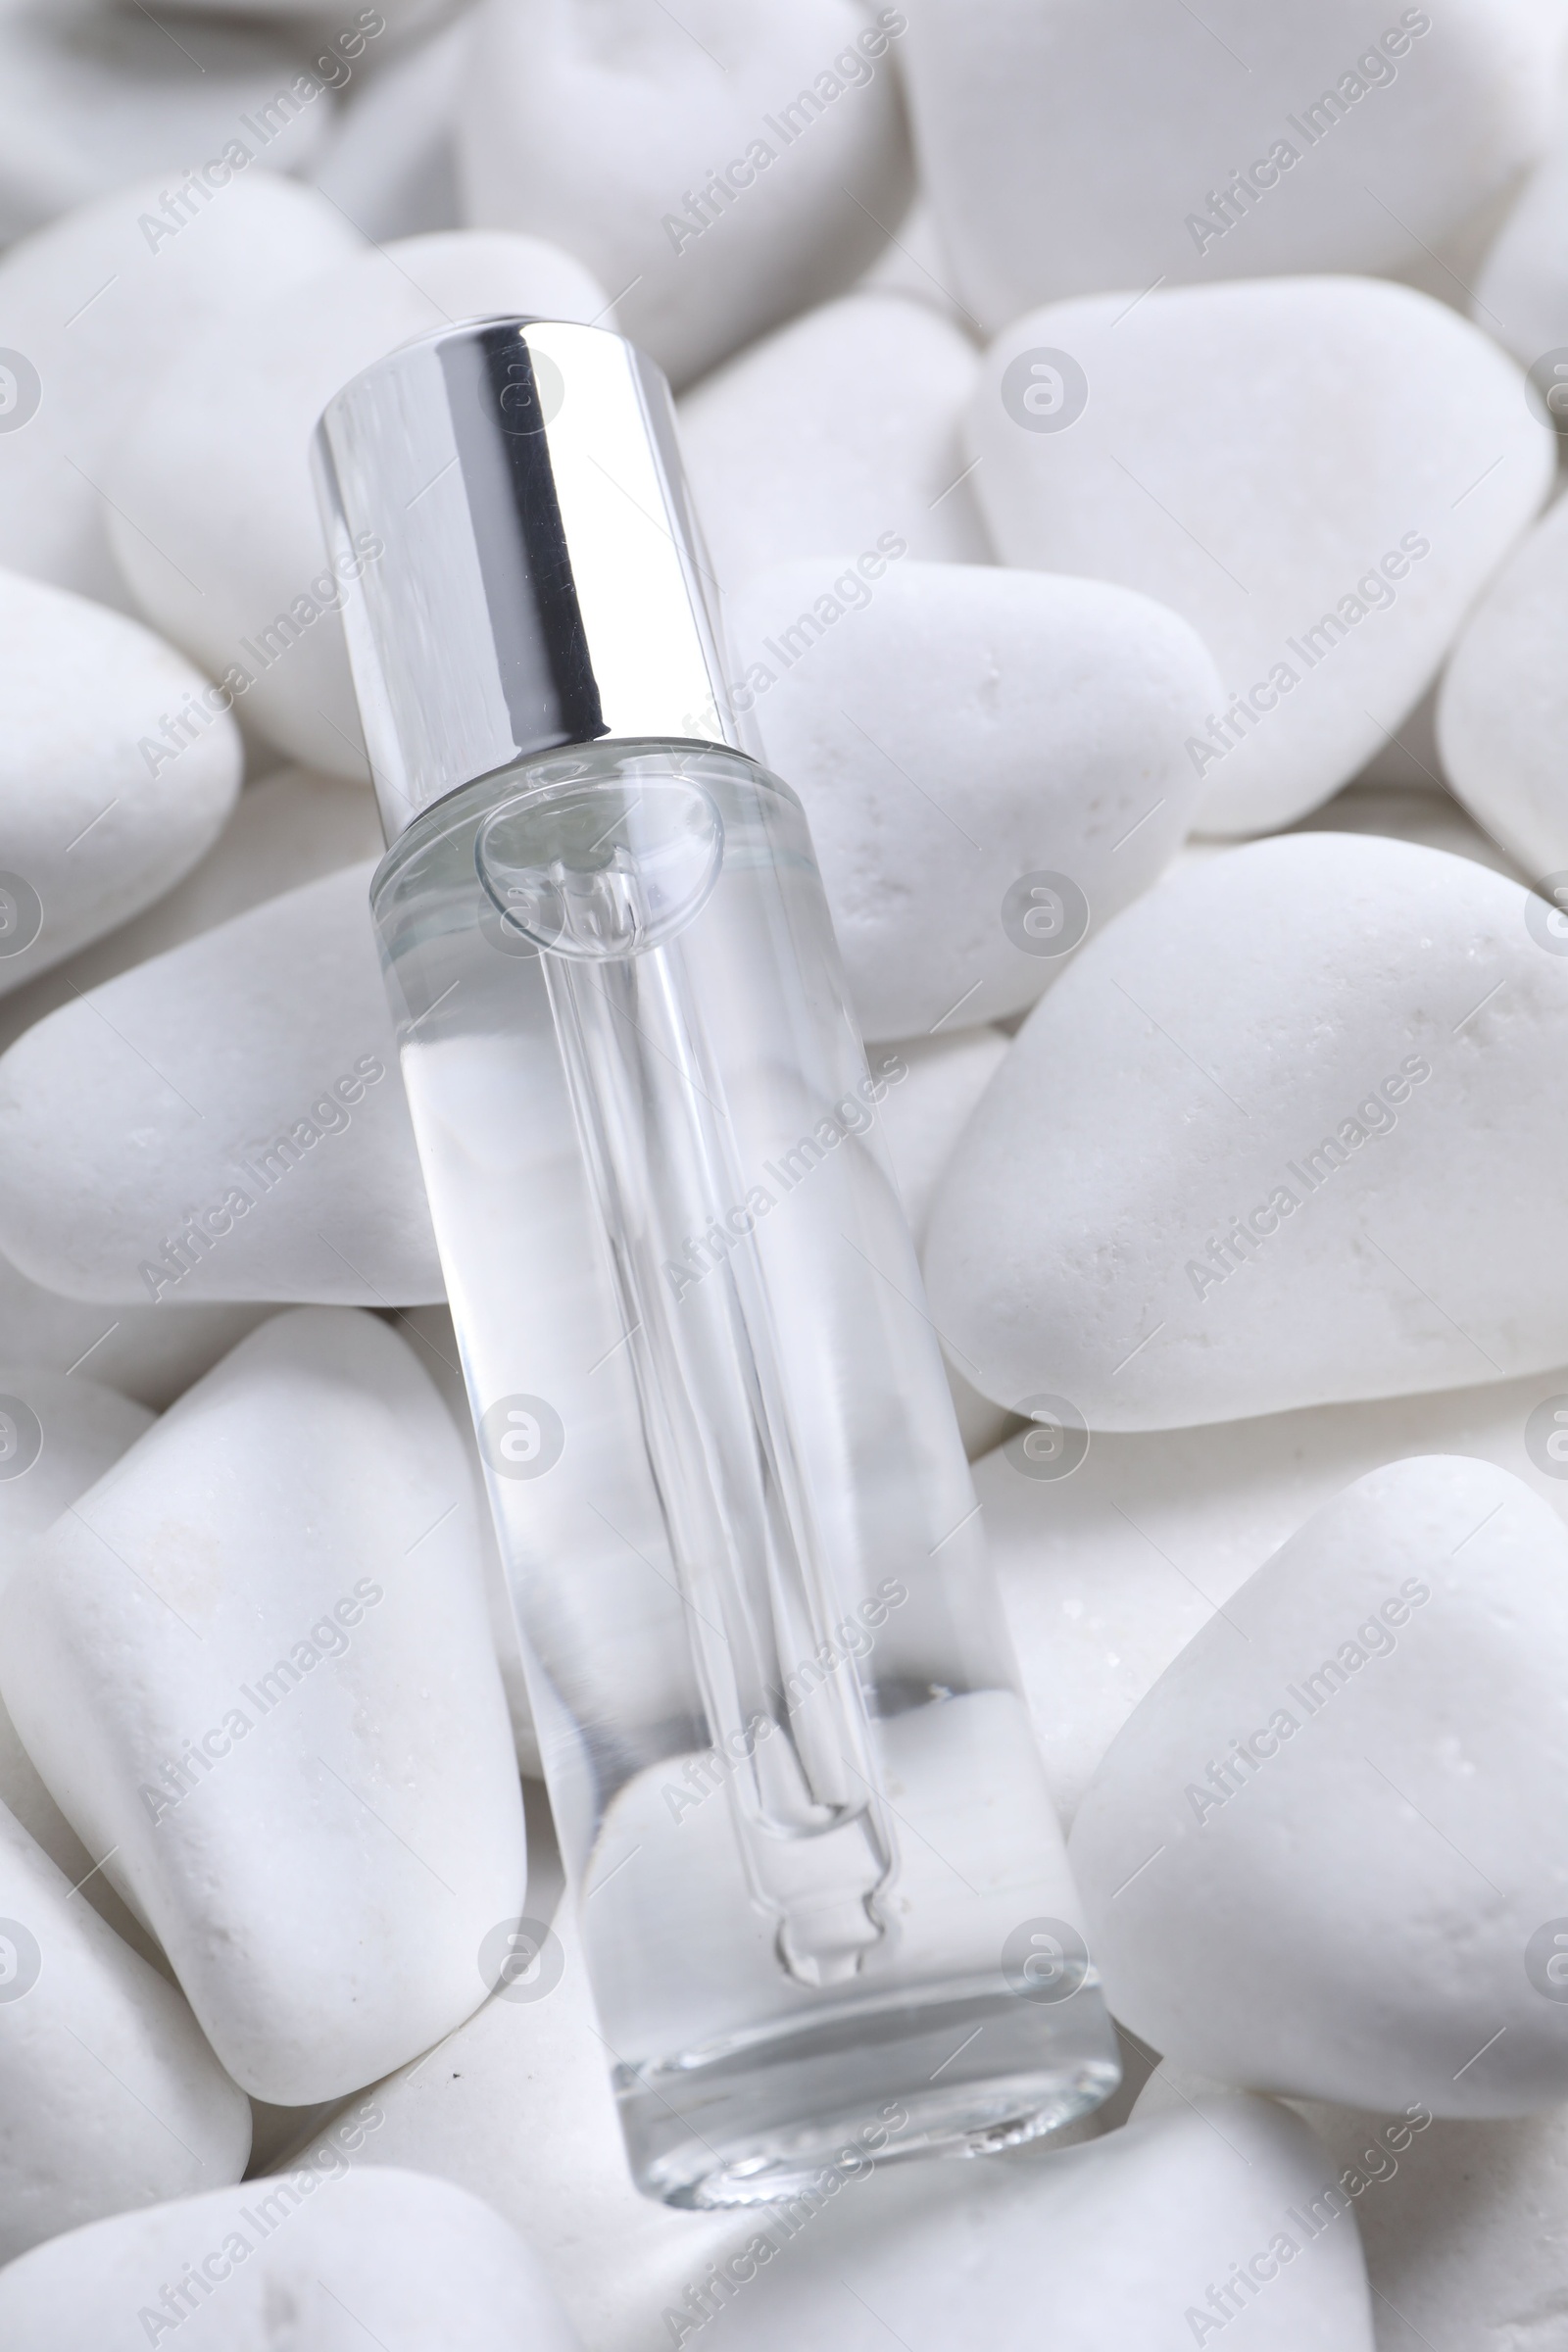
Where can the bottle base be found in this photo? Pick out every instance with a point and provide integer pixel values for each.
(946, 2071)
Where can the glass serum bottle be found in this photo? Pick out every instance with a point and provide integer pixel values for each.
(822, 1892)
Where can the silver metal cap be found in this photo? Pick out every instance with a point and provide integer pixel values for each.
(505, 502)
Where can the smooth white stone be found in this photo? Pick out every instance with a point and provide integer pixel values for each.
(76, 1431)
(1456, 2219)
(1460, 2220)
(98, 816)
(924, 1114)
(66, 1435)
(1358, 1912)
(914, 264)
(1318, 507)
(595, 130)
(953, 729)
(1379, 1007)
(1463, 2242)
(147, 1352)
(214, 522)
(1401, 812)
(1120, 2242)
(516, 2106)
(289, 827)
(623, 2266)
(91, 96)
(321, 1885)
(383, 2257)
(1068, 149)
(1108, 1572)
(1503, 705)
(841, 430)
(390, 158)
(92, 301)
(922, 1118)
(1449, 271)
(982, 1425)
(1408, 755)
(248, 1079)
(1521, 290)
(109, 2096)
(402, 17)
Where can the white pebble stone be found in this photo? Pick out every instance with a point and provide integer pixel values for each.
(1454, 2217)
(1521, 290)
(325, 2259)
(389, 160)
(1463, 2240)
(942, 2254)
(1407, 756)
(516, 2105)
(1134, 2239)
(1342, 1040)
(109, 2096)
(91, 96)
(61, 1441)
(923, 1115)
(1067, 150)
(148, 1353)
(609, 134)
(119, 765)
(214, 521)
(925, 1111)
(992, 763)
(916, 265)
(1110, 1562)
(1399, 812)
(841, 430)
(92, 300)
(1321, 1855)
(247, 1080)
(402, 19)
(1503, 704)
(1324, 549)
(299, 1535)
(57, 1437)
(289, 827)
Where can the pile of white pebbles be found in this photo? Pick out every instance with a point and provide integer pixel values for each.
(1127, 434)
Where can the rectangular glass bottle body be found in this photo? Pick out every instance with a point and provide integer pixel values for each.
(807, 1828)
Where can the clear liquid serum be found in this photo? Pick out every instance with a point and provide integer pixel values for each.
(818, 1875)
